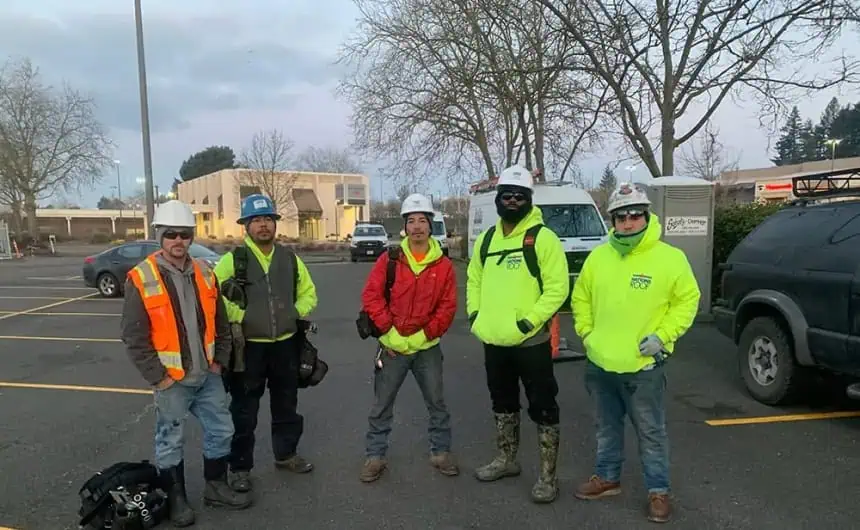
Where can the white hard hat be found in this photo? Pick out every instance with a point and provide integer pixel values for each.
(516, 176)
(628, 194)
(174, 213)
(416, 203)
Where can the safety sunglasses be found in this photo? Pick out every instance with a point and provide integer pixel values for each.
(513, 195)
(173, 234)
(632, 215)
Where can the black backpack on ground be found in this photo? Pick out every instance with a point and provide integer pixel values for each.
(123, 496)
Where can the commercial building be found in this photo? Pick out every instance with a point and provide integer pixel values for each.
(321, 205)
(773, 184)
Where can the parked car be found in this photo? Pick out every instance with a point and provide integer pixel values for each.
(368, 240)
(790, 299)
(107, 270)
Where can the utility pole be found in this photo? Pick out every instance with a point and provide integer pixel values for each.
(144, 119)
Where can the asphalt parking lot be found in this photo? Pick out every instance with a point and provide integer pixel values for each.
(71, 404)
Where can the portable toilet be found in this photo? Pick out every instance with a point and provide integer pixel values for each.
(685, 206)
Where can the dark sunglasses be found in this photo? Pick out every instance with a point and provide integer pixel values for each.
(173, 234)
(633, 215)
(513, 195)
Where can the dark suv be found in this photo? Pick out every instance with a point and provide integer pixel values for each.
(790, 297)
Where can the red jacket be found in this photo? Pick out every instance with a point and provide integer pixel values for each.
(427, 301)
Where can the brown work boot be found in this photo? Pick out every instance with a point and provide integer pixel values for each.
(444, 462)
(295, 463)
(597, 488)
(659, 508)
(372, 469)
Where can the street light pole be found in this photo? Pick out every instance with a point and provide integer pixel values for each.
(118, 188)
(144, 118)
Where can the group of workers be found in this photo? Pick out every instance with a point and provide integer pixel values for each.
(197, 335)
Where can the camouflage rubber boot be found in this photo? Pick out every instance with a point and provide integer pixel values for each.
(545, 489)
(508, 441)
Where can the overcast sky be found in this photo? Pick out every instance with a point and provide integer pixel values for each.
(220, 70)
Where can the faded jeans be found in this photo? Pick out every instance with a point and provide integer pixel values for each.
(640, 396)
(208, 403)
(426, 366)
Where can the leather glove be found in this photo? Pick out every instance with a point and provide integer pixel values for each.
(525, 326)
(650, 346)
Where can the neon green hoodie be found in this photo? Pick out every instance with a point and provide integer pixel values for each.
(618, 301)
(503, 291)
(416, 342)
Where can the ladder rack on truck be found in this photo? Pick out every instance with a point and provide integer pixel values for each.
(827, 185)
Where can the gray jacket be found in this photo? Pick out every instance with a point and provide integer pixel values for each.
(136, 332)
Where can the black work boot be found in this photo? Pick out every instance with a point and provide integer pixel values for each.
(217, 492)
(181, 514)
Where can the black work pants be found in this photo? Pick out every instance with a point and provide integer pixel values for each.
(507, 366)
(275, 363)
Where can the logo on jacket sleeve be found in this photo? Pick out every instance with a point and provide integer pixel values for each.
(640, 281)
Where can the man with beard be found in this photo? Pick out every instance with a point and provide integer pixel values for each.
(267, 289)
(517, 280)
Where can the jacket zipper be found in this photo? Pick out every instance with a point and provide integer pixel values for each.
(272, 321)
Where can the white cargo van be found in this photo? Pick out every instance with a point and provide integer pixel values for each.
(440, 231)
(568, 211)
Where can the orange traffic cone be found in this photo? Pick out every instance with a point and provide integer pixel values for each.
(555, 335)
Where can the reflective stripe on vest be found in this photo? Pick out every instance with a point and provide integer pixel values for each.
(164, 331)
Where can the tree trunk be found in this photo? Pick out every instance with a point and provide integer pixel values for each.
(667, 147)
(30, 210)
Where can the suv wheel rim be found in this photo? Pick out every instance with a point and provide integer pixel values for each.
(106, 285)
(763, 361)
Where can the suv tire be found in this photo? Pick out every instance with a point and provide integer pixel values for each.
(766, 349)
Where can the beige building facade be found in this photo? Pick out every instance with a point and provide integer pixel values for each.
(773, 184)
(321, 206)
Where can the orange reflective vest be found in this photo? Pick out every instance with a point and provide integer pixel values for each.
(164, 331)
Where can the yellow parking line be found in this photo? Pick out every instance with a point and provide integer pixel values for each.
(67, 315)
(784, 418)
(70, 339)
(75, 388)
(45, 288)
(35, 298)
(48, 306)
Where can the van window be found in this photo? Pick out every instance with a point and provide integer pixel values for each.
(573, 220)
(438, 228)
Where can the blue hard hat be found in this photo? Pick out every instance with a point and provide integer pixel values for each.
(256, 205)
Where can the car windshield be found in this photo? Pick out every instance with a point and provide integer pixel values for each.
(438, 228)
(199, 251)
(573, 220)
(369, 231)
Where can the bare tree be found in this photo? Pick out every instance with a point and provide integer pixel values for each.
(675, 56)
(266, 166)
(50, 140)
(465, 87)
(327, 160)
(707, 157)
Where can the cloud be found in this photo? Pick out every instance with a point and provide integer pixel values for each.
(194, 64)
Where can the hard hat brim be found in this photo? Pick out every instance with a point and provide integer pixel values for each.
(241, 220)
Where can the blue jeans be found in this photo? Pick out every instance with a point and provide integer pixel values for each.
(426, 366)
(208, 403)
(640, 396)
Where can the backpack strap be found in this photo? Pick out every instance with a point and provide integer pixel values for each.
(528, 250)
(530, 254)
(391, 271)
(485, 244)
(240, 265)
